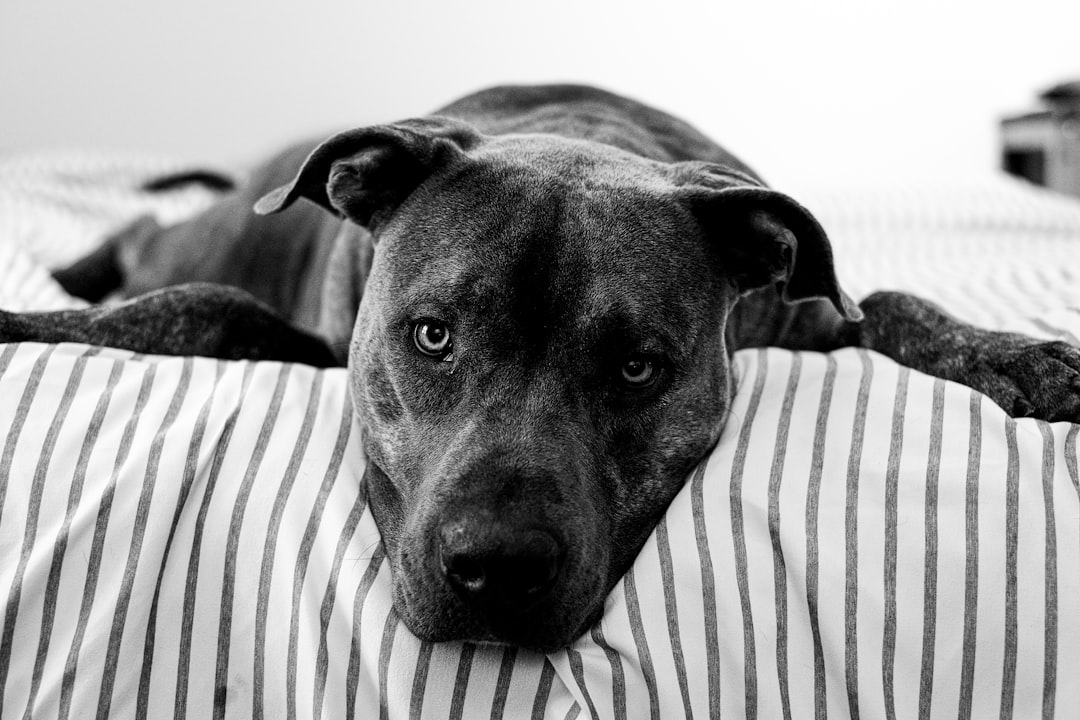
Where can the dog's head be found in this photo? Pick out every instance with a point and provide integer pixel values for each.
(539, 356)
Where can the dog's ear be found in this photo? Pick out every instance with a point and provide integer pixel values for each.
(347, 269)
(364, 174)
(763, 237)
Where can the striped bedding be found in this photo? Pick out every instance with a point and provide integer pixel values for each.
(185, 537)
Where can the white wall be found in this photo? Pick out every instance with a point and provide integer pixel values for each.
(829, 87)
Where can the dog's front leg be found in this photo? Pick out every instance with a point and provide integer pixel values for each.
(1025, 376)
(193, 319)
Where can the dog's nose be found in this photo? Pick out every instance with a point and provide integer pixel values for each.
(495, 563)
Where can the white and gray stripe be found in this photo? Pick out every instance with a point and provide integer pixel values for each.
(187, 537)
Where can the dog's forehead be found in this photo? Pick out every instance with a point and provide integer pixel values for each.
(578, 240)
(545, 195)
(571, 160)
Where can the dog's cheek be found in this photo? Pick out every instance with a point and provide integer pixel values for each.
(376, 404)
(655, 461)
(397, 433)
(391, 477)
(380, 414)
(693, 425)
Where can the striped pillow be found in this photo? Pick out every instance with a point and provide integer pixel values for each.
(185, 536)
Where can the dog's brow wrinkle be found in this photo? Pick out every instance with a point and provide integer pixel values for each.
(645, 322)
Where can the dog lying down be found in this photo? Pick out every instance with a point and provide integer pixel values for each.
(536, 291)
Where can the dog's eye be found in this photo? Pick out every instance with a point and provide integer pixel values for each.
(638, 372)
(432, 338)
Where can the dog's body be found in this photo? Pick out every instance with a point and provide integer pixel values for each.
(536, 292)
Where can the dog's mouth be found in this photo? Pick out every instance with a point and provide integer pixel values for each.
(539, 632)
(545, 626)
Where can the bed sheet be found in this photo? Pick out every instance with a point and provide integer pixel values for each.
(189, 537)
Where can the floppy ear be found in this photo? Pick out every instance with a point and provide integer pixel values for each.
(763, 237)
(347, 270)
(364, 174)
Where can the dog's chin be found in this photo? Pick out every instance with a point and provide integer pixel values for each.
(547, 628)
(522, 632)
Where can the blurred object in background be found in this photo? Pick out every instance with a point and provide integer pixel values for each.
(1043, 146)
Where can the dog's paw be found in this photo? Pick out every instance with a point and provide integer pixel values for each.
(1028, 378)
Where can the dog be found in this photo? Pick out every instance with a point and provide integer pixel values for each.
(536, 291)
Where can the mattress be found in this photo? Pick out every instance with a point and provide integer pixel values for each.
(190, 537)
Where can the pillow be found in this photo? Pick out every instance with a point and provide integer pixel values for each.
(190, 536)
